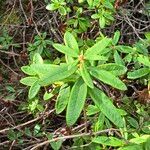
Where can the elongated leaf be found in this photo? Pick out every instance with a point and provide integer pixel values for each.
(116, 38)
(55, 145)
(43, 69)
(69, 59)
(140, 139)
(108, 78)
(66, 50)
(109, 141)
(102, 22)
(58, 74)
(29, 81)
(48, 95)
(96, 57)
(28, 70)
(62, 99)
(124, 49)
(52, 6)
(71, 42)
(132, 122)
(74, 63)
(76, 101)
(118, 59)
(101, 122)
(92, 109)
(90, 2)
(34, 89)
(144, 60)
(132, 147)
(62, 10)
(128, 58)
(138, 73)
(37, 59)
(86, 76)
(113, 68)
(106, 106)
(98, 48)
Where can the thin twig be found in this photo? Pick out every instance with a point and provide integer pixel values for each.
(23, 11)
(9, 14)
(71, 137)
(26, 123)
(9, 68)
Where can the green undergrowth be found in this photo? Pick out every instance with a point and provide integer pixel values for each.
(94, 80)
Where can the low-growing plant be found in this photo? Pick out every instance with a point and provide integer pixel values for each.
(78, 23)
(77, 17)
(59, 5)
(40, 45)
(75, 81)
(104, 11)
(77, 76)
(6, 40)
(141, 68)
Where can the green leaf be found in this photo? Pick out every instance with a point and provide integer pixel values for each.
(128, 58)
(138, 73)
(69, 59)
(91, 110)
(97, 48)
(106, 106)
(33, 103)
(66, 50)
(116, 38)
(140, 139)
(108, 4)
(81, 1)
(146, 127)
(144, 60)
(95, 16)
(58, 74)
(124, 49)
(108, 17)
(113, 68)
(52, 7)
(133, 122)
(36, 129)
(71, 42)
(86, 76)
(11, 135)
(147, 34)
(147, 144)
(97, 57)
(55, 145)
(47, 96)
(29, 81)
(76, 101)
(90, 2)
(28, 70)
(62, 10)
(118, 59)
(131, 147)
(109, 141)
(43, 69)
(102, 22)
(108, 78)
(34, 89)
(37, 59)
(62, 99)
(100, 122)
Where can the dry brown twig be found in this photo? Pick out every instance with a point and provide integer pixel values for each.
(27, 123)
(9, 68)
(72, 136)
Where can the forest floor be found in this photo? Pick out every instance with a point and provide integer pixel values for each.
(20, 22)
